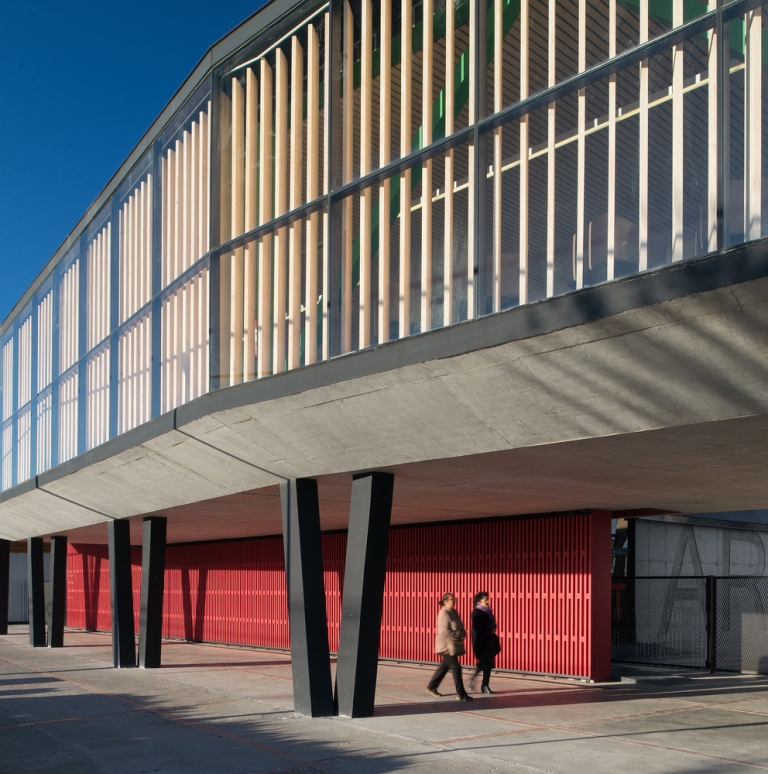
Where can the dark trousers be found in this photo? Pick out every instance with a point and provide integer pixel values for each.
(449, 663)
(486, 661)
(485, 668)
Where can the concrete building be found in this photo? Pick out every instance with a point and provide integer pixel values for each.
(493, 277)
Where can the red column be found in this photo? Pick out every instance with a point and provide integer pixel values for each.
(600, 588)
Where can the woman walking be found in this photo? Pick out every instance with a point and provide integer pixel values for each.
(485, 641)
(449, 643)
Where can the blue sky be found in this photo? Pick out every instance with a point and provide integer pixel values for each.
(82, 83)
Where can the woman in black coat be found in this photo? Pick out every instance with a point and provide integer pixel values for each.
(485, 642)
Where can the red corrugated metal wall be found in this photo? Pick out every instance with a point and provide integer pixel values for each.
(539, 573)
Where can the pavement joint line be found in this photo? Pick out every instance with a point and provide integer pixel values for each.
(655, 745)
(512, 732)
(656, 713)
(170, 716)
(44, 722)
(231, 668)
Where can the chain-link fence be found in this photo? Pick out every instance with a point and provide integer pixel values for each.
(702, 622)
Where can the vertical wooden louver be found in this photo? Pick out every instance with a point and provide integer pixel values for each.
(68, 413)
(44, 438)
(44, 341)
(24, 443)
(136, 249)
(186, 196)
(273, 116)
(24, 373)
(99, 289)
(184, 364)
(97, 398)
(8, 377)
(69, 316)
(135, 375)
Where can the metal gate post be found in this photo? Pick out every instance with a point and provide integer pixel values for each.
(5, 564)
(711, 623)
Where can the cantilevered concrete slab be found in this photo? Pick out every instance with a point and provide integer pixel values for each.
(648, 392)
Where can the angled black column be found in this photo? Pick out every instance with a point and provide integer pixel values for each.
(363, 599)
(36, 592)
(5, 570)
(152, 587)
(310, 654)
(57, 593)
(121, 594)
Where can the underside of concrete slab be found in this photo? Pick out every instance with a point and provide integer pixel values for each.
(662, 406)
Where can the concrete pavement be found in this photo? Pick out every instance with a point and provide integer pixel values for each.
(226, 710)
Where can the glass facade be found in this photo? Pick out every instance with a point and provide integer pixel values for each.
(363, 171)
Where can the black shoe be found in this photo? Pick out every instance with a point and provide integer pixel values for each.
(486, 689)
(464, 697)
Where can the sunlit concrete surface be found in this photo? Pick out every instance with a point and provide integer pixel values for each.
(662, 406)
(218, 709)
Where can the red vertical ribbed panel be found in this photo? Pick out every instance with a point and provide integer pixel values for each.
(537, 571)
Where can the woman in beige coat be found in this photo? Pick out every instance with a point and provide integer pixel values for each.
(449, 643)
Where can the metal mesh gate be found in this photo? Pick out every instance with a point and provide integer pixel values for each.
(700, 622)
(741, 624)
(661, 621)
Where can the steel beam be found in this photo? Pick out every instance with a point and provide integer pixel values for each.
(152, 588)
(5, 569)
(57, 597)
(363, 599)
(310, 654)
(121, 594)
(36, 592)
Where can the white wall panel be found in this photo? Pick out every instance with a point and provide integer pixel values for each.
(18, 603)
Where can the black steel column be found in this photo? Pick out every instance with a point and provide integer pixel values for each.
(36, 592)
(363, 599)
(121, 594)
(57, 596)
(310, 654)
(5, 569)
(152, 588)
(711, 602)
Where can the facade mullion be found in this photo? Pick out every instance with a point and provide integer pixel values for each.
(114, 318)
(157, 278)
(82, 378)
